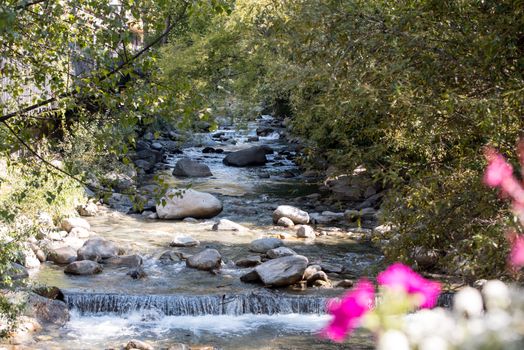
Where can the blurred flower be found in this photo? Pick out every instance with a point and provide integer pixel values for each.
(401, 276)
(516, 257)
(498, 169)
(348, 311)
(393, 340)
(496, 295)
(468, 302)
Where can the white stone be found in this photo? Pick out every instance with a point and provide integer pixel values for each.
(190, 203)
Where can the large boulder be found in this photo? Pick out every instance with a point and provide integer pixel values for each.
(62, 255)
(252, 156)
(208, 259)
(283, 271)
(133, 260)
(280, 252)
(83, 267)
(47, 310)
(190, 168)
(97, 248)
(287, 211)
(262, 245)
(69, 223)
(190, 203)
(184, 241)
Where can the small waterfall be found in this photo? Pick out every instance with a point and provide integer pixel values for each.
(266, 303)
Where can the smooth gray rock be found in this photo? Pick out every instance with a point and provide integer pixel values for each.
(287, 211)
(250, 277)
(319, 275)
(305, 231)
(69, 223)
(285, 222)
(335, 268)
(83, 267)
(190, 203)
(189, 168)
(280, 252)
(252, 156)
(208, 259)
(97, 248)
(184, 241)
(262, 245)
(249, 261)
(283, 271)
(63, 255)
(133, 260)
(47, 311)
(228, 225)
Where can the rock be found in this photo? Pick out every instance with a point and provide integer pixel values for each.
(296, 215)
(144, 164)
(319, 275)
(305, 231)
(168, 257)
(228, 225)
(192, 203)
(156, 146)
(69, 223)
(63, 255)
(88, 209)
(184, 241)
(191, 220)
(17, 272)
(97, 248)
(311, 270)
(46, 310)
(79, 232)
(252, 156)
(250, 277)
(344, 284)
(133, 260)
(137, 273)
(425, 258)
(322, 284)
(208, 259)
(138, 345)
(190, 168)
(29, 258)
(283, 271)
(83, 267)
(335, 268)
(262, 245)
(212, 150)
(249, 261)
(253, 139)
(152, 216)
(49, 292)
(368, 214)
(285, 222)
(280, 252)
(264, 131)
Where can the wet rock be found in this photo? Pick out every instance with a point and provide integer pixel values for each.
(249, 261)
(262, 245)
(156, 146)
(305, 231)
(311, 270)
(280, 252)
(264, 131)
(168, 257)
(192, 203)
(285, 222)
(184, 241)
(250, 277)
(69, 223)
(138, 345)
(212, 150)
(49, 292)
(189, 168)
(344, 284)
(296, 215)
(319, 275)
(83, 267)
(97, 248)
(253, 139)
(144, 164)
(283, 271)
(252, 156)
(63, 255)
(47, 311)
(133, 260)
(191, 220)
(228, 225)
(137, 273)
(208, 259)
(88, 209)
(335, 268)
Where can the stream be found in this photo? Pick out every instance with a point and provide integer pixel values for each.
(175, 304)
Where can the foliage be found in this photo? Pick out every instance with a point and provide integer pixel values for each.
(411, 89)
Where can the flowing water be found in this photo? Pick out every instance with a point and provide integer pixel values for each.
(176, 304)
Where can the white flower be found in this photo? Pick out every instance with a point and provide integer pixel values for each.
(393, 340)
(434, 343)
(496, 295)
(468, 302)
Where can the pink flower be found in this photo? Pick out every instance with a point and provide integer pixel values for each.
(498, 169)
(348, 311)
(401, 276)
(516, 257)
